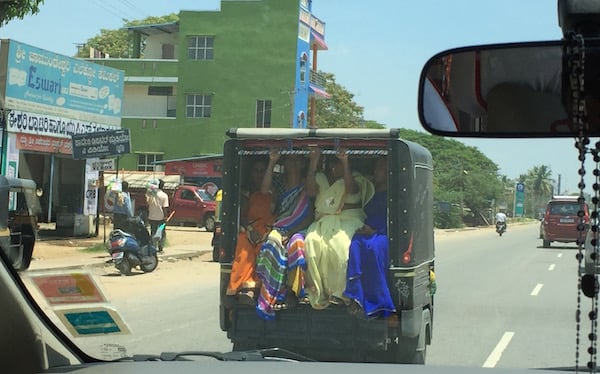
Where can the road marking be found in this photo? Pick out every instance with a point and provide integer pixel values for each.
(493, 358)
(559, 255)
(551, 267)
(537, 289)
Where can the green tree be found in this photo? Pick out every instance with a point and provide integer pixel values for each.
(540, 185)
(462, 176)
(340, 110)
(117, 43)
(10, 10)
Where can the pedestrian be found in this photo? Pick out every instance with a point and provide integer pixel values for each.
(123, 209)
(158, 210)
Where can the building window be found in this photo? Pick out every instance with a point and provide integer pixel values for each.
(263, 113)
(303, 63)
(146, 161)
(198, 106)
(160, 91)
(201, 47)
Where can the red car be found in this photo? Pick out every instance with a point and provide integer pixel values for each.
(191, 204)
(560, 220)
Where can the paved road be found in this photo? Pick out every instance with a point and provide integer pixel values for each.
(501, 301)
(504, 301)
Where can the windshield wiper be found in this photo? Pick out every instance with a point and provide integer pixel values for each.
(268, 354)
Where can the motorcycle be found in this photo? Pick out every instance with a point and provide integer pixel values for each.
(133, 247)
(500, 228)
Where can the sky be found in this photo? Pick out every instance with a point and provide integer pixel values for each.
(376, 49)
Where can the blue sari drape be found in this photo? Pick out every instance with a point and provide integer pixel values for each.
(368, 263)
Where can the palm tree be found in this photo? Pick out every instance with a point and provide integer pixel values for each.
(540, 182)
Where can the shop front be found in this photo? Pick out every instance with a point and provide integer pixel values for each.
(68, 187)
(46, 99)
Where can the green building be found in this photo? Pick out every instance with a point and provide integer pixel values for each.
(245, 65)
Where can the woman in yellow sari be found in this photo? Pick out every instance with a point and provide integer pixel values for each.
(340, 196)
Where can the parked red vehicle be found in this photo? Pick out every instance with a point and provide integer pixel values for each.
(560, 220)
(191, 204)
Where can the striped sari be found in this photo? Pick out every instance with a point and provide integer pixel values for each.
(281, 266)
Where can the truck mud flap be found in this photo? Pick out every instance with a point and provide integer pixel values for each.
(305, 327)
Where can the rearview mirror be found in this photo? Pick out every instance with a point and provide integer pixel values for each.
(501, 90)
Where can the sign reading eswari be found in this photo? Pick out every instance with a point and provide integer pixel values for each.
(101, 144)
(41, 81)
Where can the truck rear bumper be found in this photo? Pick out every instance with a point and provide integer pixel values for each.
(303, 327)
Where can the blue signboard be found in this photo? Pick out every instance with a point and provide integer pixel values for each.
(92, 321)
(519, 200)
(40, 81)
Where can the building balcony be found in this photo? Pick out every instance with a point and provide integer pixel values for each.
(317, 78)
(143, 70)
(317, 85)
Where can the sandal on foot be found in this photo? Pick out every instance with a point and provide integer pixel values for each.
(280, 306)
(246, 297)
(355, 310)
(304, 300)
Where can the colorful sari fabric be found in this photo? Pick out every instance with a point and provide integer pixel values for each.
(328, 238)
(243, 274)
(369, 261)
(281, 266)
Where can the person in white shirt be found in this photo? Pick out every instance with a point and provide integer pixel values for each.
(500, 217)
(158, 210)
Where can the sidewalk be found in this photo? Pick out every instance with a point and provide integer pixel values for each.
(54, 253)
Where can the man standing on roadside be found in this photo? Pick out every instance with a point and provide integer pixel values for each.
(123, 209)
(158, 210)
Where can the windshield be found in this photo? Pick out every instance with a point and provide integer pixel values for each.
(205, 91)
(205, 196)
(563, 209)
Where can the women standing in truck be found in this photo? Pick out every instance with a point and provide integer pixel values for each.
(281, 264)
(340, 196)
(366, 283)
(256, 220)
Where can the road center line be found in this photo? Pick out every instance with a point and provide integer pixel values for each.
(559, 255)
(536, 289)
(494, 357)
(551, 267)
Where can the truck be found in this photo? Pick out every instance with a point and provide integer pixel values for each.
(333, 333)
(192, 206)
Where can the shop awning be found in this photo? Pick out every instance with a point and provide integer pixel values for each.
(319, 92)
(318, 40)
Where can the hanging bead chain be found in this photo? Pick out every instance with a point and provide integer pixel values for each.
(575, 60)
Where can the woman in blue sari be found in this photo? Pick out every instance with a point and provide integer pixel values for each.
(368, 262)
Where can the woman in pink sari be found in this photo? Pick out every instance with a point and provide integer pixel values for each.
(281, 265)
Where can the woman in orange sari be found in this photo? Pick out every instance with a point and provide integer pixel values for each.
(256, 224)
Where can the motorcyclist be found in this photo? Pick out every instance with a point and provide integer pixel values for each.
(501, 219)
